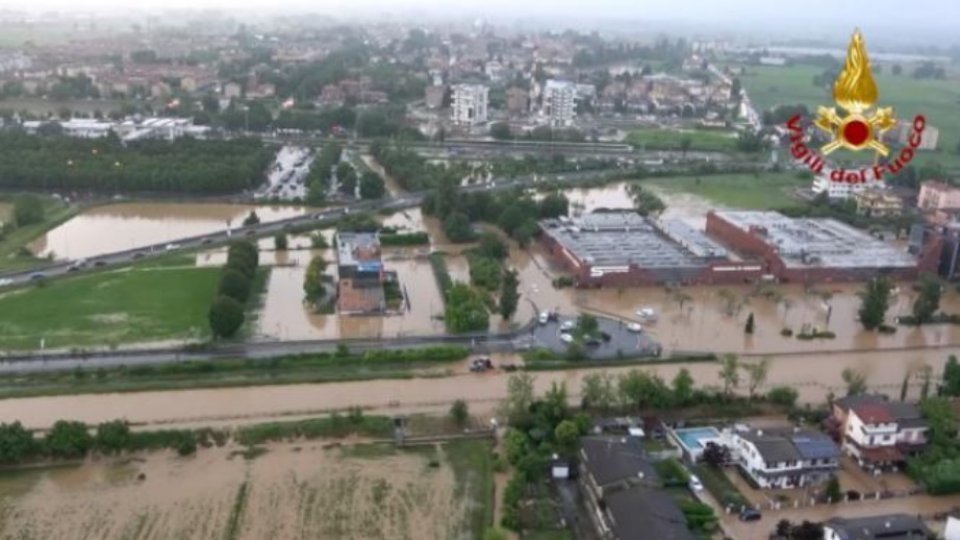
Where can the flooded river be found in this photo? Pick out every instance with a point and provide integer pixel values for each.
(814, 375)
(116, 227)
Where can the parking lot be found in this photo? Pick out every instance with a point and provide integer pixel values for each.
(622, 342)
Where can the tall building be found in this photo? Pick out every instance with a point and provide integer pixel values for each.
(560, 102)
(470, 104)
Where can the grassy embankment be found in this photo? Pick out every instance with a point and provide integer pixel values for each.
(669, 139)
(937, 100)
(12, 257)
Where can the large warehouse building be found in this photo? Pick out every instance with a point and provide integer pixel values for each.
(814, 250)
(624, 249)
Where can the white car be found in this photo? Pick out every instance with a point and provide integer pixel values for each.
(544, 317)
(635, 327)
(566, 338)
(694, 483)
(171, 247)
(567, 325)
(647, 313)
(5, 281)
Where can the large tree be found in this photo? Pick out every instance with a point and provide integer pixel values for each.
(226, 316)
(928, 299)
(875, 300)
(509, 297)
(371, 186)
(645, 202)
(730, 373)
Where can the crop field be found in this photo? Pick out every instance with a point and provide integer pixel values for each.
(937, 100)
(306, 490)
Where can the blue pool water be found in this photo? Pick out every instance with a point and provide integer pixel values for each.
(691, 437)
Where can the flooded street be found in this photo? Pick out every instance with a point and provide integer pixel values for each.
(116, 227)
(309, 489)
(813, 375)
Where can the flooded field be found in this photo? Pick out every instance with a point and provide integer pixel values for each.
(116, 227)
(293, 490)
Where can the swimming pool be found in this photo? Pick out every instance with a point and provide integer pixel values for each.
(694, 440)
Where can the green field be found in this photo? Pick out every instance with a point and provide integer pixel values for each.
(109, 308)
(747, 191)
(938, 100)
(666, 139)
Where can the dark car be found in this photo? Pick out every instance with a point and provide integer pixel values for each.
(750, 514)
(37, 276)
(592, 342)
(605, 337)
(138, 255)
(100, 263)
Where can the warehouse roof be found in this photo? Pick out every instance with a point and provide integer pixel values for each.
(812, 243)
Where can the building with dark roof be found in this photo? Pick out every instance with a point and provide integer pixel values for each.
(885, 527)
(625, 249)
(622, 492)
(876, 432)
(785, 458)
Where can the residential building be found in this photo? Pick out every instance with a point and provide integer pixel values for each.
(433, 96)
(785, 458)
(560, 102)
(621, 490)
(840, 190)
(937, 195)
(900, 134)
(518, 101)
(878, 203)
(470, 104)
(884, 527)
(360, 273)
(232, 90)
(877, 432)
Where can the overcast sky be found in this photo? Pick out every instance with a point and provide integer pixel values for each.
(895, 19)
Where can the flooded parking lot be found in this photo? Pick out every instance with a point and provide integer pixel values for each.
(120, 226)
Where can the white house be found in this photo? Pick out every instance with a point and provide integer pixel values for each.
(785, 458)
(878, 433)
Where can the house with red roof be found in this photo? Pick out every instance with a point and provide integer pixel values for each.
(876, 432)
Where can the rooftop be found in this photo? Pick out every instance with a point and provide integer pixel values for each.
(625, 238)
(789, 444)
(875, 408)
(614, 459)
(355, 248)
(643, 512)
(889, 526)
(812, 243)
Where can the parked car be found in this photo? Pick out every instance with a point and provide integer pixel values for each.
(567, 325)
(750, 514)
(37, 276)
(566, 338)
(694, 483)
(544, 317)
(171, 247)
(635, 327)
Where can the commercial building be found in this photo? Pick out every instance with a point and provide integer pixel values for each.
(884, 527)
(815, 250)
(86, 128)
(877, 432)
(560, 102)
(470, 104)
(785, 458)
(624, 249)
(131, 129)
(622, 492)
(878, 203)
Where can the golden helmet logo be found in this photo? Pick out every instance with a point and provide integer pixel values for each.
(861, 127)
(855, 92)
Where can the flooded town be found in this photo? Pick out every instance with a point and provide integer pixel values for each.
(429, 272)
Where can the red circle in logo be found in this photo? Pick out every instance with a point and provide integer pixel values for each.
(856, 132)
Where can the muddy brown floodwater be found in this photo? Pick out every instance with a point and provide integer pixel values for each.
(116, 227)
(813, 375)
(305, 489)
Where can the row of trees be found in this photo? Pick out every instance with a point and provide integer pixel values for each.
(875, 301)
(74, 440)
(226, 314)
(185, 165)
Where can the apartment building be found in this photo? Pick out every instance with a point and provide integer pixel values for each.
(560, 102)
(470, 104)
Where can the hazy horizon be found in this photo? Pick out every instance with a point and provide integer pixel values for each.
(885, 22)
